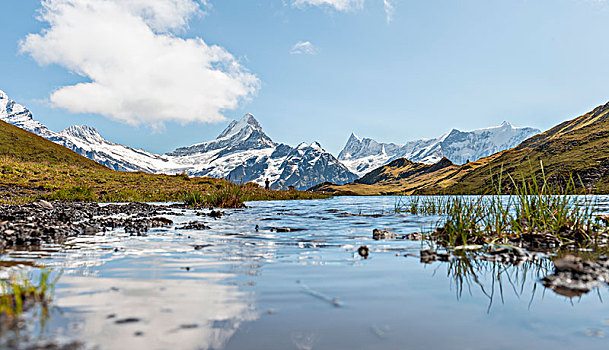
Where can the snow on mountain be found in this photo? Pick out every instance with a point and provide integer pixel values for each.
(242, 153)
(362, 155)
(245, 134)
(87, 141)
(16, 114)
(308, 165)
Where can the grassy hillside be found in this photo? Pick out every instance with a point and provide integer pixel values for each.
(32, 167)
(22, 145)
(577, 149)
(398, 177)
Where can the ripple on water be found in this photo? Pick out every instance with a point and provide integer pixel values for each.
(303, 286)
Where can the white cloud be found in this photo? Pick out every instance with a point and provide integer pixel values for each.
(389, 9)
(347, 5)
(304, 48)
(140, 71)
(340, 5)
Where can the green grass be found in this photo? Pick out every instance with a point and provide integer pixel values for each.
(19, 292)
(534, 208)
(229, 195)
(32, 168)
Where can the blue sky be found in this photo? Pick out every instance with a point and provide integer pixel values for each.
(434, 66)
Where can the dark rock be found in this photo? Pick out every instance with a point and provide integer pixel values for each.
(363, 251)
(417, 236)
(194, 225)
(43, 222)
(383, 234)
(215, 214)
(286, 229)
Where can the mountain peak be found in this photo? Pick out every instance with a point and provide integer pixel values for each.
(243, 134)
(3, 95)
(83, 132)
(235, 127)
(354, 138)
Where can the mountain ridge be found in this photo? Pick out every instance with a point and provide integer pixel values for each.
(362, 155)
(574, 149)
(242, 152)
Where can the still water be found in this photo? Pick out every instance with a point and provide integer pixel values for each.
(305, 289)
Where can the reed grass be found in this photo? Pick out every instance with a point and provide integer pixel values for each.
(533, 207)
(19, 291)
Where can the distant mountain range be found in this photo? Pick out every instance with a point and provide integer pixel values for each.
(575, 152)
(244, 153)
(362, 155)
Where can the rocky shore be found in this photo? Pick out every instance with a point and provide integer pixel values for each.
(31, 225)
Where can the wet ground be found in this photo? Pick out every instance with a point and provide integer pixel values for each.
(297, 282)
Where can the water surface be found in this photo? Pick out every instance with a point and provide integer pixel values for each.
(304, 289)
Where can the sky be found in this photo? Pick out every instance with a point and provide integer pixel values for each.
(160, 74)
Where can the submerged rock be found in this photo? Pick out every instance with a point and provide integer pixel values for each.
(286, 229)
(383, 234)
(193, 225)
(417, 236)
(44, 222)
(363, 251)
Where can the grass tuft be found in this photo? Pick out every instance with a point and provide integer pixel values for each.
(535, 209)
(19, 292)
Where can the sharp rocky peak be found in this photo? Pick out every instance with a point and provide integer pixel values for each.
(354, 138)
(235, 127)
(83, 132)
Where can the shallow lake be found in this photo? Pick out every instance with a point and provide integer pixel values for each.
(243, 288)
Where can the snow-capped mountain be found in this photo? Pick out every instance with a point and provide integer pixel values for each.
(362, 155)
(242, 152)
(16, 114)
(87, 141)
(84, 140)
